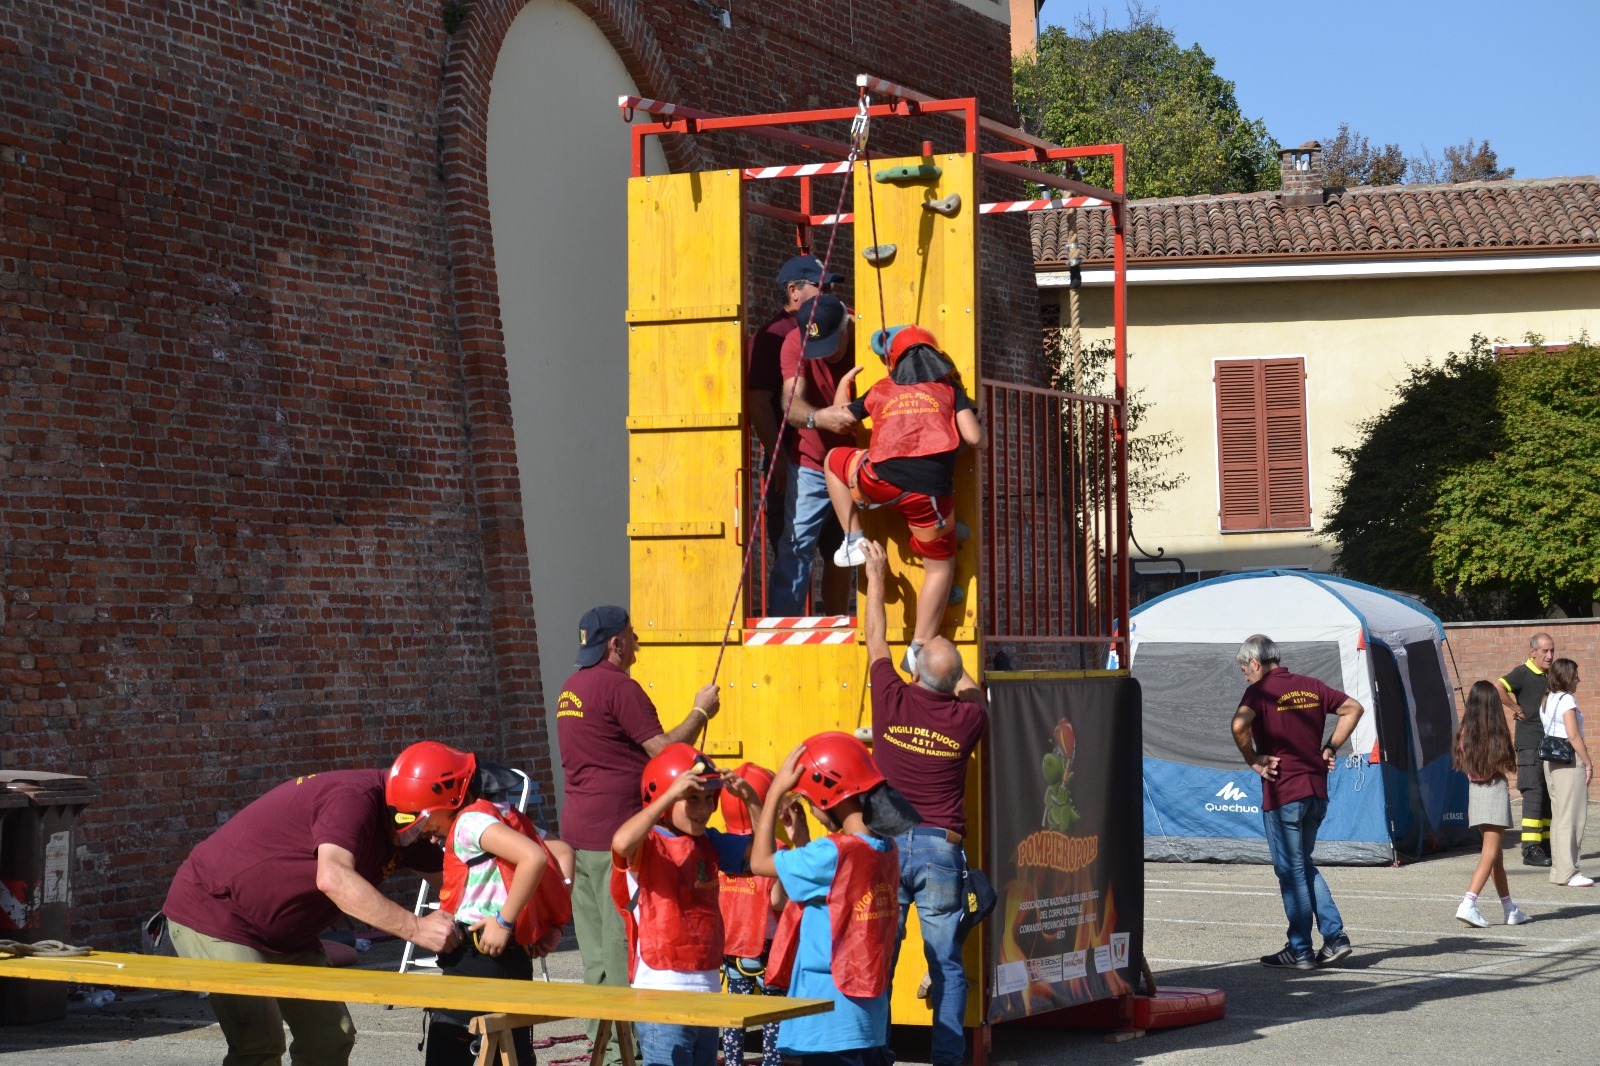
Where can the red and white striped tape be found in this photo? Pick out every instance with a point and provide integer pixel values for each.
(789, 637)
(820, 621)
(1007, 206)
(803, 170)
(651, 107)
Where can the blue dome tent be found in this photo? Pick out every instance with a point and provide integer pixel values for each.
(1394, 794)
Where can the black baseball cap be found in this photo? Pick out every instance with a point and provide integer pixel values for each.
(597, 626)
(822, 319)
(806, 268)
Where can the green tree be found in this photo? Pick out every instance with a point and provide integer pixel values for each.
(1349, 160)
(1184, 131)
(1462, 162)
(1479, 489)
(1529, 515)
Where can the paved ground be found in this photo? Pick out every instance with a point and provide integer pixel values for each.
(1421, 986)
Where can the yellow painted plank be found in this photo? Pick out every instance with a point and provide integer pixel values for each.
(476, 995)
(685, 369)
(715, 420)
(675, 529)
(683, 314)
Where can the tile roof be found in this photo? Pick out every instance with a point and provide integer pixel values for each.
(1470, 218)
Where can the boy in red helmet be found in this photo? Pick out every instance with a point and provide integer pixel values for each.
(505, 883)
(750, 908)
(846, 885)
(664, 881)
(921, 416)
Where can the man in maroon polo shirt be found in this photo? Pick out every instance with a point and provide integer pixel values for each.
(1278, 729)
(922, 735)
(264, 886)
(607, 730)
(816, 357)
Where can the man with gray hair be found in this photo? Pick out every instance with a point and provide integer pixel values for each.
(1278, 728)
(922, 734)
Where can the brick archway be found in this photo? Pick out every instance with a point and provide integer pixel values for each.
(463, 155)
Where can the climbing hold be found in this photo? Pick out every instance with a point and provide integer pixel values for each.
(946, 207)
(957, 593)
(879, 254)
(919, 172)
(963, 532)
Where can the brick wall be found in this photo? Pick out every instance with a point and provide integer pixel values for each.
(258, 491)
(1487, 650)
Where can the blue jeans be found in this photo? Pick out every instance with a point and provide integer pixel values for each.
(677, 1045)
(931, 869)
(1291, 836)
(805, 507)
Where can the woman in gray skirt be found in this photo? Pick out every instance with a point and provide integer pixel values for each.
(1485, 754)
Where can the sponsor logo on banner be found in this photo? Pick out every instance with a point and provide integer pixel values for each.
(1119, 950)
(1232, 793)
(1074, 964)
(1047, 969)
(1011, 977)
(1102, 958)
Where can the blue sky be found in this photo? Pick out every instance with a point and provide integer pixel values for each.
(1415, 72)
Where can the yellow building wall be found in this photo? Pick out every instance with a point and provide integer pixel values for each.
(1358, 338)
(686, 333)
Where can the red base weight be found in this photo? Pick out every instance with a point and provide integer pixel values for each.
(1167, 1009)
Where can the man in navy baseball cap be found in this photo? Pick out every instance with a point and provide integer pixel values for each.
(801, 268)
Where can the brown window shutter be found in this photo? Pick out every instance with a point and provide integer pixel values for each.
(1288, 480)
(1241, 444)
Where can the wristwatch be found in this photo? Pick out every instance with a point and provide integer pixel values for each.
(811, 420)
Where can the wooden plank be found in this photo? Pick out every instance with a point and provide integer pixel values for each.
(675, 529)
(474, 995)
(683, 314)
(712, 420)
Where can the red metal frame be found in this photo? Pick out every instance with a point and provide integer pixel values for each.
(1104, 521)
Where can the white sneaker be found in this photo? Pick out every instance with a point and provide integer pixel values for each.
(1580, 881)
(909, 663)
(1515, 915)
(850, 553)
(1468, 912)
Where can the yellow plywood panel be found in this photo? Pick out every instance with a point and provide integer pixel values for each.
(932, 281)
(684, 232)
(685, 370)
(473, 995)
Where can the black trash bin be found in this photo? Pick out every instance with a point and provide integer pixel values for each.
(38, 821)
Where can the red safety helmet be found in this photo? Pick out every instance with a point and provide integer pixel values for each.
(905, 338)
(674, 759)
(1066, 740)
(734, 814)
(428, 776)
(835, 766)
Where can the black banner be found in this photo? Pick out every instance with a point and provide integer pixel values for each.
(1068, 836)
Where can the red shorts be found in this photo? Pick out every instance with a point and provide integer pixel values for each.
(922, 513)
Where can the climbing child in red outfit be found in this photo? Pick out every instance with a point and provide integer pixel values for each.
(505, 884)
(921, 416)
(664, 881)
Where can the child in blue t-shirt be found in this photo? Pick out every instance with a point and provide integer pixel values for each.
(846, 885)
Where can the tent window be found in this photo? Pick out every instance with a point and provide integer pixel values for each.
(1264, 473)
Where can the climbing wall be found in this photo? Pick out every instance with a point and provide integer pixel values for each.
(687, 532)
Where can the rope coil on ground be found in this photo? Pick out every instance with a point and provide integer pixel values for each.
(46, 948)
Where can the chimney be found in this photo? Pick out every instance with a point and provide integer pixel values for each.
(1024, 25)
(1301, 170)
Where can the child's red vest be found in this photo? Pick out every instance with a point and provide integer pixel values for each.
(551, 905)
(864, 911)
(911, 420)
(746, 903)
(785, 946)
(676, 923)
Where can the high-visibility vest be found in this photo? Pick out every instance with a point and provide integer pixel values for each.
(551, 905)
(864, 912)
(911, 420)
(673, 921)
